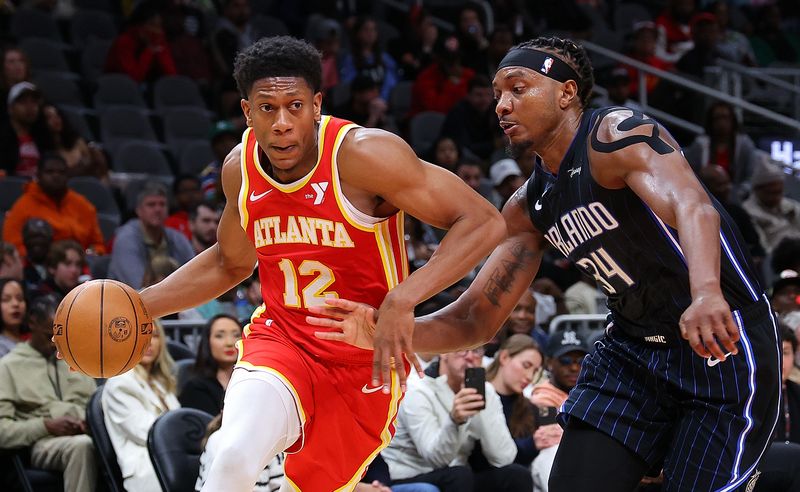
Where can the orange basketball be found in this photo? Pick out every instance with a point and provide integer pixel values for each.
(102, 328)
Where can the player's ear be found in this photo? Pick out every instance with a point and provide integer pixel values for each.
(567, 94)
(318, 107)
(246, 110)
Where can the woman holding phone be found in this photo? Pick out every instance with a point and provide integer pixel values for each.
(517, 364)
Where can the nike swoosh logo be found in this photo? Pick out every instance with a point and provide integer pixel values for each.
(711, 361)
(254, 197)
(370, 390)
(537, 205)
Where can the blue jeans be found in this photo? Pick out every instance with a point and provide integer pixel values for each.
(415, 487)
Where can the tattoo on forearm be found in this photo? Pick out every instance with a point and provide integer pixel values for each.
(636, 120)
(502, 278)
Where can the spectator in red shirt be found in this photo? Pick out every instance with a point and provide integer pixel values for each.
(675, 35)
(643, 49)
(188, 194)
(440, 86)
(141, 51)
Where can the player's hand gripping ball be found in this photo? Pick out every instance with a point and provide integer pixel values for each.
(102, 328)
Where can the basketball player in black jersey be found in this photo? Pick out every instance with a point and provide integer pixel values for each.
(687, 378)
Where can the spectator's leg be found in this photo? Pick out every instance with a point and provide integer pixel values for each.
(451, 479)
(541, 466)
(247, 441)
(72, 455)
(415, 487)
(779, 470)
(588, 459)
(509, 478)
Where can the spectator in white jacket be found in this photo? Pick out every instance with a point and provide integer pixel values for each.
(442, 428)
(131, 403)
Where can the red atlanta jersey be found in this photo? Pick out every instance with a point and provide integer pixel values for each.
(312, 244)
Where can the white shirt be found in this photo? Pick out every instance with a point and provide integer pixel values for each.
(427, 438)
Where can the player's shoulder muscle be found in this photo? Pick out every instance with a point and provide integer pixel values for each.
(616, 129)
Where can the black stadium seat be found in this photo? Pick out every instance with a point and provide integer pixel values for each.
(174, 443)
(102, 442)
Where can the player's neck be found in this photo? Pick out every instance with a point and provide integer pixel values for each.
(555, 148)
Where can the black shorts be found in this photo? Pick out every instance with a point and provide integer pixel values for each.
(707, 425)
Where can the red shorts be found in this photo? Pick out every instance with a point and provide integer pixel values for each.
(345, 422)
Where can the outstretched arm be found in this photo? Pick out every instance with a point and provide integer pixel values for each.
(476, 315)
(384, 166)
(215, 270)
(631, 149)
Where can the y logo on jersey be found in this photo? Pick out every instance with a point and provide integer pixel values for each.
(319, 189)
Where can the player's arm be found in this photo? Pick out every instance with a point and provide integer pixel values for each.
(384, 165)
(476, 315)
(215, 270)
(631, 149)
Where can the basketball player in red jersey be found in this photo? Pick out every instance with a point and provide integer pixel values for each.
(316, 202)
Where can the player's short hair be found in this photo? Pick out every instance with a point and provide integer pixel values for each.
(278, 56)
(573, 55)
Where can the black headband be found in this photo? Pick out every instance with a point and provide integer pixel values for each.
(541, 62)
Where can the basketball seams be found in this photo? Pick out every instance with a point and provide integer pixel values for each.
(102, 327)
(78, 311)
(66, 329)
(136, 328)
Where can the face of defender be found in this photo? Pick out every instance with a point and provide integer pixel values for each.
(284, 113)
(527, 105)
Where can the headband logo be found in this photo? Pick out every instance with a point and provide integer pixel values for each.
(547, 65)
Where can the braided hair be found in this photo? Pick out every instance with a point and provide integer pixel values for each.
(574, 55)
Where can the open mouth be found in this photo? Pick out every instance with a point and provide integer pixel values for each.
(508, 126)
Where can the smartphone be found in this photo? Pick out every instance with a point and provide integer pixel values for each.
(475, 377)
(547, 415)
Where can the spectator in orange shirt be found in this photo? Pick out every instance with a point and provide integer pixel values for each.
(69, 214)
(440, 86)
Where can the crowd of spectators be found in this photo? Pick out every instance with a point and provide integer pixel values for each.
(77, 203)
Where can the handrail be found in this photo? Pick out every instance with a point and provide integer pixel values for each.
(759, 74)
(673, 120)
(689, 84)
